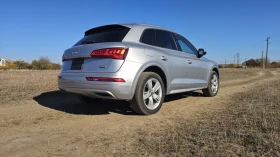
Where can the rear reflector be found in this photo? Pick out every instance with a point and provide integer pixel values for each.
(114, 53)
(105, 79)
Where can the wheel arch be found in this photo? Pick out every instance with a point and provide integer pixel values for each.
(152, 67)
(158, 71)
(216, 69)
(213, 68)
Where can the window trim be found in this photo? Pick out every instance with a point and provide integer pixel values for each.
(175, 41)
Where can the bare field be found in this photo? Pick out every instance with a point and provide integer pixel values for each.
(243, 120)
(230, 74)
(24, 85)
(247, 125)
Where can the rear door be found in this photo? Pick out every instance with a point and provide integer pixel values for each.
(196, 69)
(100, 50)
(172, 59)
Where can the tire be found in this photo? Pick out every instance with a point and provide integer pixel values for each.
(149, 94)
(213, 85)
(86, 99)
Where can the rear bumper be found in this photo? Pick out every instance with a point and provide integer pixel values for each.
(101, 91)
(76, 82)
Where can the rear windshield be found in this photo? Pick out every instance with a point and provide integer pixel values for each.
(109, 33)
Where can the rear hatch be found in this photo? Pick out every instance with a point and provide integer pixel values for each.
(100, 50)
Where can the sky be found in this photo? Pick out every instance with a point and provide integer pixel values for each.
(31, 28)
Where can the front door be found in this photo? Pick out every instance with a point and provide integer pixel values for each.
(196, 69)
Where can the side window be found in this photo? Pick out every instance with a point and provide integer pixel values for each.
(164, 39)
(185, 45)
(148, 37)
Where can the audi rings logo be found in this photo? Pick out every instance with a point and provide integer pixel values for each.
(75, 52)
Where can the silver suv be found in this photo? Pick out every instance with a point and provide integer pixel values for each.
(136, 62)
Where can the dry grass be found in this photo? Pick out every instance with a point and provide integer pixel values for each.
(228, 74)
(24, 85)
(249, 125)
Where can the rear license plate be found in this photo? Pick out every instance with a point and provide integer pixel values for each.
(77, 64)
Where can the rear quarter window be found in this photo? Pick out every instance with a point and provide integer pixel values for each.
(148, 37)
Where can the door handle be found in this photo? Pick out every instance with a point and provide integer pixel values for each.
(163, 58)
(189, 61)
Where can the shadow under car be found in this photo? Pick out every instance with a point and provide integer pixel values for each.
(69, 103)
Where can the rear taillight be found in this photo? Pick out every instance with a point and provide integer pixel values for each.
(114, 53)
(105, 79)
(63, 58)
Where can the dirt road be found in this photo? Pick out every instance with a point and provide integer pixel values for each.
(57, 124)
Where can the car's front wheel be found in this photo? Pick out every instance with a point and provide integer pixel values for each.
(149, 94)
(213, 85)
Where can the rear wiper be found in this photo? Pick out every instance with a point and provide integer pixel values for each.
(90, 42)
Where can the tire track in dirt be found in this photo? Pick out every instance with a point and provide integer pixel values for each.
(56, 132)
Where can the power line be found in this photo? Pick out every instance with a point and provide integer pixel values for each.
(275, 40)
(258, 45)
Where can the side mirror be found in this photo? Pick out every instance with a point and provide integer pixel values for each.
(201, 52)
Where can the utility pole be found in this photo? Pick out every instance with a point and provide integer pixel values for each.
(234, 59)
(267, 39)
(237, 58)
(225, 62)
(262, 60)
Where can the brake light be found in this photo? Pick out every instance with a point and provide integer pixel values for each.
(63, 58)
(105, 79)
(114, 53)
